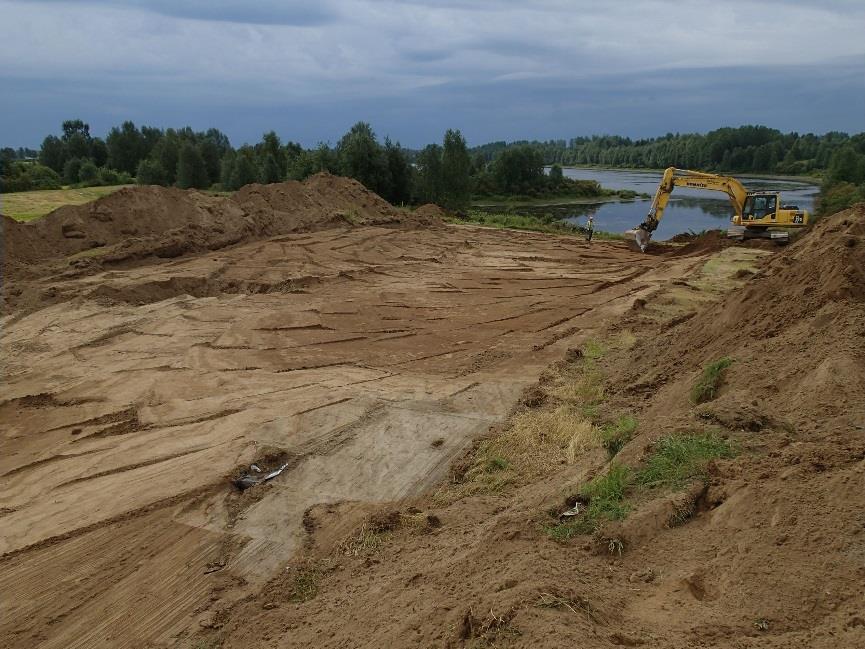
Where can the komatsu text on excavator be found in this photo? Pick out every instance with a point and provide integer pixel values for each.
(754, 213)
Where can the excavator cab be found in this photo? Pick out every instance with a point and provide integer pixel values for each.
(761, 207)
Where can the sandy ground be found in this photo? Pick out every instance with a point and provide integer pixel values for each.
(366, 359)
(763, 548)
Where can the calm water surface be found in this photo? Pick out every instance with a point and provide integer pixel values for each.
(688, 209)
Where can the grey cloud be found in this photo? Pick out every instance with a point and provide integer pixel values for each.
(495, 68)
(259, 12)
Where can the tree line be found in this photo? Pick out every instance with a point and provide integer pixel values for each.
(746, 149)
(443, 173)
(844, 180)
(449, 173)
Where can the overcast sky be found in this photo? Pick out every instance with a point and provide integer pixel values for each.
(496, 69)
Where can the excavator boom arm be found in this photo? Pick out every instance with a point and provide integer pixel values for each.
(685, 178)
(696, 180)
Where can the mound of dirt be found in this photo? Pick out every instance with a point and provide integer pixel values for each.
(714, 240)
(430, 212)
(794, 328)
(141, 222)
(766, 551)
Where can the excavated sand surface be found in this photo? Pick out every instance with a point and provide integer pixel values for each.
(766, 551)
(364, 358)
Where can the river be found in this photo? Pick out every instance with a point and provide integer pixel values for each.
(688, 210)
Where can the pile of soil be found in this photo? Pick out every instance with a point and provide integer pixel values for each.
(140, 222)
(769, 552)
(430, 212)
(714, 240)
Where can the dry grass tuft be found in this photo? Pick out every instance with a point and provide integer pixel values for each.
(367, 540)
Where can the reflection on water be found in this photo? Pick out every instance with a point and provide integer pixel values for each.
(688, 209)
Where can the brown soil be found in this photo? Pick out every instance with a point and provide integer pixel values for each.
(311, 325)
(136, 224)
(715, 240)
(369, 358)
(770, 552)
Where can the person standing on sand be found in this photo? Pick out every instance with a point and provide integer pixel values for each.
(590, 227)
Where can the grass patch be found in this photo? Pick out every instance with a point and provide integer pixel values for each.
(562, 602)
(606, 501)
(534, 444)
(306, 583)
(27, 206)
(529, 222)
(618, 433)
(606, 494)
(583, 383)
(496, 464)
(352, 217)
(707, 386)
(368, 540)
(679, 459)
(594, 349)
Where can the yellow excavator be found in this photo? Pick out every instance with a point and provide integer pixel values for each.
(754, 213)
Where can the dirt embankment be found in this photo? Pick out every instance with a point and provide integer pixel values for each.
(768, 551)
(143, 222)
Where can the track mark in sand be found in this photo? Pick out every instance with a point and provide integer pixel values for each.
(105, 338)
(114, 520)
(428, 356)
(622, 280)
(561, 321)
(47, 400)
(130, 467)
(134, 425)
(312, 367)
(110, 418)
(48, 460)
(328, 342)
(198, 420)
(385, 339)
(157, 368)
(358, 242)
(315, 327)
(510, 317)
(556, 338)
(471, 385)
(324, 405)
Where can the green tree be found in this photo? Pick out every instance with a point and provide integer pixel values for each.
(556, 174)
(71, 171)
(518, 170)
(270, 171)
(88, 174)
(150, 172)
(98, 152)
(400, 173)
(126, 147)
(845, 166)
(361, 157)
(166, 152)
(270, 146)
(244, 170)
(428, 179)
(73, 127)
(456, 192)
(53, 153)
(191, 170)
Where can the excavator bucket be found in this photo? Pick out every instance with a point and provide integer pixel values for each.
(637, 238)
